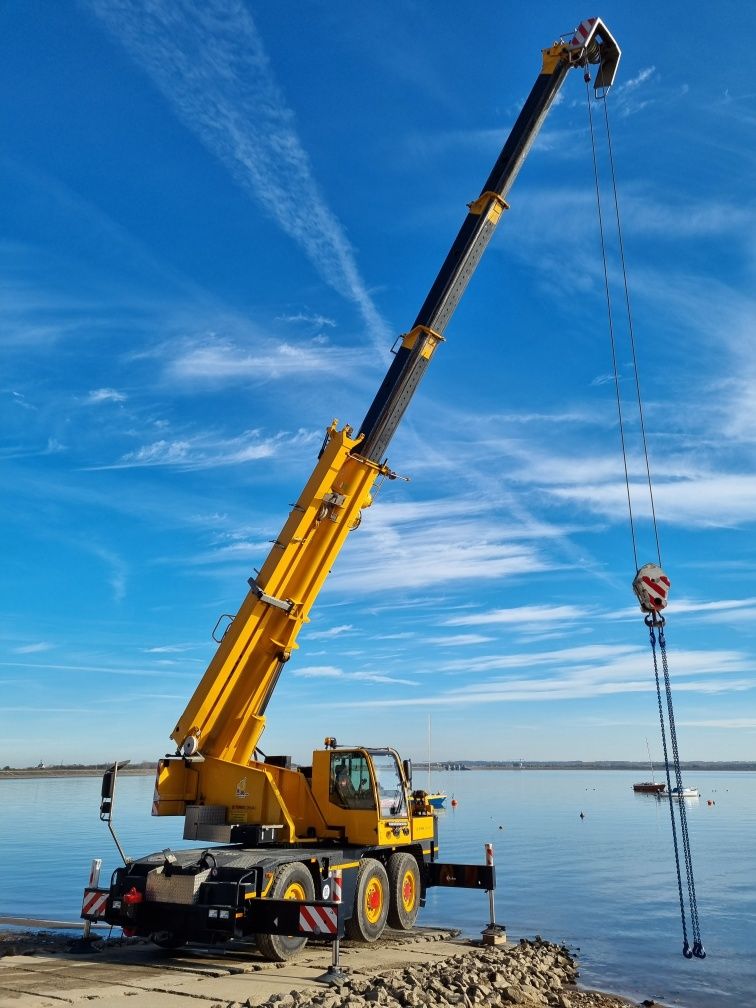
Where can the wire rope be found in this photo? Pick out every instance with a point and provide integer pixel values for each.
(654, 620)
(630, 328)
(607, 294)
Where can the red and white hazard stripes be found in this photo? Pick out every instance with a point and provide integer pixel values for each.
(336, 885)
(652, 585)
(95, 903)
(489, 853)
(583, 33)
(318, 919)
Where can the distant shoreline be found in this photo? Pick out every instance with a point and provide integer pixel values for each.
(691, 766)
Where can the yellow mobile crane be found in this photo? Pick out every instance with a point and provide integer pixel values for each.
(282, 829)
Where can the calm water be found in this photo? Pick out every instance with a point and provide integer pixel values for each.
(605, 884)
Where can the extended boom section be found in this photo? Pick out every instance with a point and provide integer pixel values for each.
(592, 43)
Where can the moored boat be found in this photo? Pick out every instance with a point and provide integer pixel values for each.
(686, 792)
(436, 799)
(649, 787)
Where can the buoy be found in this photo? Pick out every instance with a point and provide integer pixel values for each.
(454, 803)
(582, 815)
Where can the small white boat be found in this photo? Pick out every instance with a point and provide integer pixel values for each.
(686, 792)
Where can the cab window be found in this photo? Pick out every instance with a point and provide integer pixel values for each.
(388, 778)
(350, 781)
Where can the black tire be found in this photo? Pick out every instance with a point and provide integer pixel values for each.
(371, 903)
(291, 881)
(168, 939)
(404, 891)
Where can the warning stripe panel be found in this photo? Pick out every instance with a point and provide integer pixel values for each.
(95, 903)
(318, 920)
(582, 32)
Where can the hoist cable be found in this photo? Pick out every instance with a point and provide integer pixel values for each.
(630, 327)
(654, 620)
(697, 945)
(650, 623)
(611, 321)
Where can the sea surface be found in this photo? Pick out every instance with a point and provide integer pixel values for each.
(604, 884)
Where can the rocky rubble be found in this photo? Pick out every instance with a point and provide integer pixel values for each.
(531, 973)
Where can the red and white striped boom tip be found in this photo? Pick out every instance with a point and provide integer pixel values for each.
(596, 44)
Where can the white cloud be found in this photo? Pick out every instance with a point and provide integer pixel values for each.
(310, 318)
(521, 616)
(336, 631)
(169, 649)
(717, 500)
(317, 672)
(459, 640)
(34, 648)
(583, 673)
(97, 396)
(213, 359)
(208, 451)
(332, 672)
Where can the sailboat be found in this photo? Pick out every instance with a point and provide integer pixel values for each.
(434, 798)
(650, 787)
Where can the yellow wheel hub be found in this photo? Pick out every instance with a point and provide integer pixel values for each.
(408, 891)
(295, 892)
(373, 900)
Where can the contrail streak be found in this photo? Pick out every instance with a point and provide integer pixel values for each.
(209, 62)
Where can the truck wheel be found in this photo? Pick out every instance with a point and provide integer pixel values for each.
(371, 903)
(404, 891)
(291, 881)
(168, 939)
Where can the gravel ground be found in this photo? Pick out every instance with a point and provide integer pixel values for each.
(528, 973)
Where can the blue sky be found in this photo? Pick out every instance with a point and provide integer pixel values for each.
(216, 219)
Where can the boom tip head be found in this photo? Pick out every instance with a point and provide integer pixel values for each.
(594, 43)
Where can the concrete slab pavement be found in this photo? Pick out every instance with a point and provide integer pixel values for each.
(140, 976)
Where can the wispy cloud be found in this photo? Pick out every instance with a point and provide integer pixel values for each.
(333, 672)
(207, 451)
(317, 672)
(34, 648)
(459, 640)
(117, 568)
(627, 95)
(581, 673)
(309, 318)
(521, 616)
(336, 631)
(20, 399)
(169, 649)
(216, 358)
(209, 62)
(103, 395)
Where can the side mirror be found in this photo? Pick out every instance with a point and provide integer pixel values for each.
(108, 788)
(106, 793)
(407, 767)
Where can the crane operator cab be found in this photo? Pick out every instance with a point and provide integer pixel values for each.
(368, 794)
